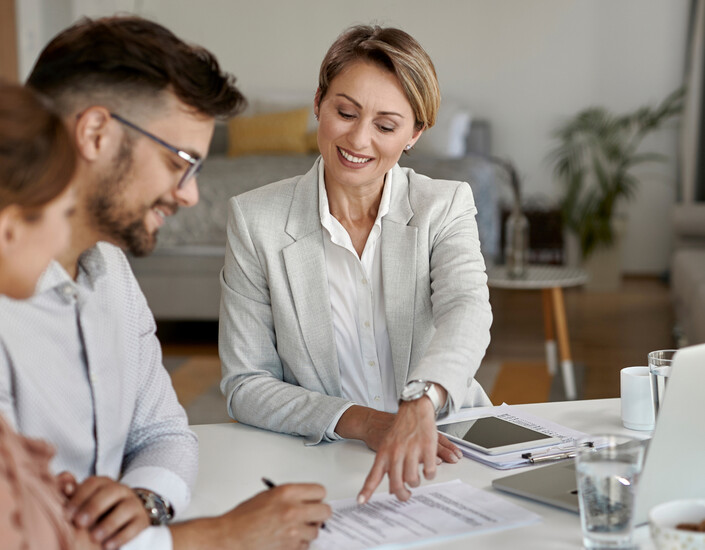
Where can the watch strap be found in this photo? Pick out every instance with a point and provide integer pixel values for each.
(435, 396)
(159, 510)
(431, 390)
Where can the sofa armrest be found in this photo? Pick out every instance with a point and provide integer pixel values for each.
(689, 224)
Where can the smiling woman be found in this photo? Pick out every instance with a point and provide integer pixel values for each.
(365, 122)
(354, 297)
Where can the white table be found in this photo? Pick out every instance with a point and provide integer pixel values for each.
(234, 458)
(550, 280)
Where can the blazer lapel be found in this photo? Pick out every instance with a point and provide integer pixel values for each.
(306, 270)
(399, 275)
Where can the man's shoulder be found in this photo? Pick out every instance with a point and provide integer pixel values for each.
(109, 254)
(108, 271)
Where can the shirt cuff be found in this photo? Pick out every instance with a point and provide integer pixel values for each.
(330, 430)
(446, 408)
(164, 482)
(152, 538)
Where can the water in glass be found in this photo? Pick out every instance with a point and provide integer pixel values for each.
(607, 477)
(607, 499)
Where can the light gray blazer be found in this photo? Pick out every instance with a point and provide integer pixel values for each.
(277, 346)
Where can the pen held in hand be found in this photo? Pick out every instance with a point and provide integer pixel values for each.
(271, 485)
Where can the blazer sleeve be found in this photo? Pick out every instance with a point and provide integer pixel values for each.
(253, 374)
(460, 304)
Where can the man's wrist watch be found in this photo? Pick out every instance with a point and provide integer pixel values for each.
(159, 511)
(416, 389)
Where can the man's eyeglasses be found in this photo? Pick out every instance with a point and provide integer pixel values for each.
(194, 162)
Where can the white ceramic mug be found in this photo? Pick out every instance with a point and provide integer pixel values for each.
(637, 401)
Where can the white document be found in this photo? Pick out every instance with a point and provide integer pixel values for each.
(441, 511)
(514, 459)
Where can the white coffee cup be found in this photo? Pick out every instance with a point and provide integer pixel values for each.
(637, 402)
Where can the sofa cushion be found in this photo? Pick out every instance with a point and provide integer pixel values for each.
(272, 133)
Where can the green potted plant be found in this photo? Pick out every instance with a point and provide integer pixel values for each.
(593, 163)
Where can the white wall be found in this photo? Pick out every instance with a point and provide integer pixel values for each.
(523, 64)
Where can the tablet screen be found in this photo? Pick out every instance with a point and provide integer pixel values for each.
(491, 432)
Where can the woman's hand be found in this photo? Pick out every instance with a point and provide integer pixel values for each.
(365, 424)
(402, 441)
(109, 510)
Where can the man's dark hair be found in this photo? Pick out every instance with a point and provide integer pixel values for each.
(128, 59)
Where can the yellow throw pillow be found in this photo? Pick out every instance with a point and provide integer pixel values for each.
(283, 132)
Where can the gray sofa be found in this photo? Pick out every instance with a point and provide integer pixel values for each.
(688, 273)
(181, 278)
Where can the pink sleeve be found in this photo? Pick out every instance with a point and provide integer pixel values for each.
(31, 508)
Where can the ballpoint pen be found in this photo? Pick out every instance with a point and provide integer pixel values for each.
(271, 485)
(548, 457)
(551, 457)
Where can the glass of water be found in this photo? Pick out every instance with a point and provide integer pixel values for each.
(659, 370)
(607, 479)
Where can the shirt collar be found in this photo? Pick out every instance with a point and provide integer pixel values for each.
(324, 206)
(91, 266)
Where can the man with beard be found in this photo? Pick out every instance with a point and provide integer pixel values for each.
(80, 364)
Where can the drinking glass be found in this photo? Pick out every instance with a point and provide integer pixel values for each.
(607, 477)
(659, 370)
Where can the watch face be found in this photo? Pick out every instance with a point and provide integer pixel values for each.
(157, 509)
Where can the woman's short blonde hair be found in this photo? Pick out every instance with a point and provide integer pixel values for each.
(394, 50)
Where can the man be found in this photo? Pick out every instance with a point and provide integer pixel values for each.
(80, 364)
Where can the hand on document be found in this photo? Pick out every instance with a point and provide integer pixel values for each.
(409, 440)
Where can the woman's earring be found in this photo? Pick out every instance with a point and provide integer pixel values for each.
(407, 147)
(315, 115)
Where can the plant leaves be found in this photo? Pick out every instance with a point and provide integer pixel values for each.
(596, 151)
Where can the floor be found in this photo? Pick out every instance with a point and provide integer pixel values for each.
(608, 331)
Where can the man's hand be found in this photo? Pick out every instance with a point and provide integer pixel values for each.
(67, 484)
(82, 540)
(109, 510)
(411, 440)
(286, 517)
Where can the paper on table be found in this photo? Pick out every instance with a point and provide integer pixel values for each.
(514, 459)
(435, 512)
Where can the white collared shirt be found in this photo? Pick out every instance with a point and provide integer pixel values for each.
(81, 367)
(357, 308)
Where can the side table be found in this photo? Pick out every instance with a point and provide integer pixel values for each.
(550, 280)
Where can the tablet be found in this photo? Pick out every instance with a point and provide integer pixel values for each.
(495, 436)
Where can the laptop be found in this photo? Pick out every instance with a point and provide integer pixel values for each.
(674, 466)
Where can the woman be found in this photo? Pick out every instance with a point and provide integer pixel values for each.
(359, 283)
(37, 161)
